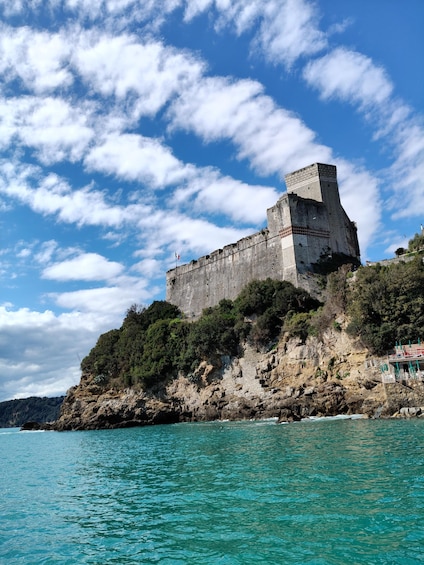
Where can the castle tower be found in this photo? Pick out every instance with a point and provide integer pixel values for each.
(306, 228)
(319, 182)
(316, 182)
(312, 223)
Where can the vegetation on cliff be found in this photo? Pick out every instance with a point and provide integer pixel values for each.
(154, 344)
(415, 246)
(384, 304)
(15, 413)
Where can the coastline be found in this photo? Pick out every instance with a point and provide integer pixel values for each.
(296, 381)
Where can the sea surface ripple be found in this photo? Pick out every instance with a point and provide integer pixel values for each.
(323, 492)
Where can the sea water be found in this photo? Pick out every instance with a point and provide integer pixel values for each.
(318, 492)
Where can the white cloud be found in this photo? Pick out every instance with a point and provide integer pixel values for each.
(38, 58)
(111, 299)
(11, 8)
(84, 267)
(51, 126)
(340, 27)
(40, 352)
(195, 7)
(271, 138)
(349, 76)
(360, 195)
(148, 267)
(122, 66)
(407, 172)
(24, 253)
(118, 13)
(185, 234)
(212, 193)
(356, 79)
(289, 31)
(96, 7)
(286, 29)
(134, 157)
(45, 254)
(395, 243)
(53, 196)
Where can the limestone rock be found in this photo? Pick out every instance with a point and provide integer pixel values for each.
(296, 380)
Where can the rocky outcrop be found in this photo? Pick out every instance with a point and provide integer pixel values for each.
(293, 381)
(37, 426)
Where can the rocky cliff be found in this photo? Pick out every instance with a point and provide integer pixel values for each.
(293, 381)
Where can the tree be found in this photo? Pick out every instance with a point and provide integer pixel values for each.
(102, 359)
(386, 304)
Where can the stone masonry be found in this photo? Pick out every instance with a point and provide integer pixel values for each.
(307, 226)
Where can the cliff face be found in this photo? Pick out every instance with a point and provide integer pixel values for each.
(294, 381)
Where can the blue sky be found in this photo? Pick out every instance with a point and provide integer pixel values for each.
(130, 130)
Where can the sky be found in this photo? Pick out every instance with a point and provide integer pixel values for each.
(132, 130)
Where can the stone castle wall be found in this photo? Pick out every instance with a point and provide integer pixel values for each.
(222, 274)
(306, 225)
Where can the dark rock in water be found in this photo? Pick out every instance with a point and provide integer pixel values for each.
(31, 426)
(287, 415)
(35, 426)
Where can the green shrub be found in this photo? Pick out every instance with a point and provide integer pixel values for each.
(298, 325)
(271, 302)
(416, 243)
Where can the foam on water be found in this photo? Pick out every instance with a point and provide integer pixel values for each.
(337, 417)
(8, 431)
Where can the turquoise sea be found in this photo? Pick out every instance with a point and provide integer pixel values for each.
(328, 491)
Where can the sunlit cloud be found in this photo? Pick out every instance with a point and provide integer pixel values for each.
(286, 29)
(272, 139)
(84, 267)
(54, 196)
(37, 58)
(349, 76)
(149, 74)
(113, 299)
(134, 157)
(51, 126)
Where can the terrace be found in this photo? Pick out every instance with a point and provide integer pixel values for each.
(404, 363)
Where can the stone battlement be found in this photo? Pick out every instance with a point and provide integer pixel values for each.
(309, 173)
(241, 245)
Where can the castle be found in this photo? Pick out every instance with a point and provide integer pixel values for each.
(307, 229)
